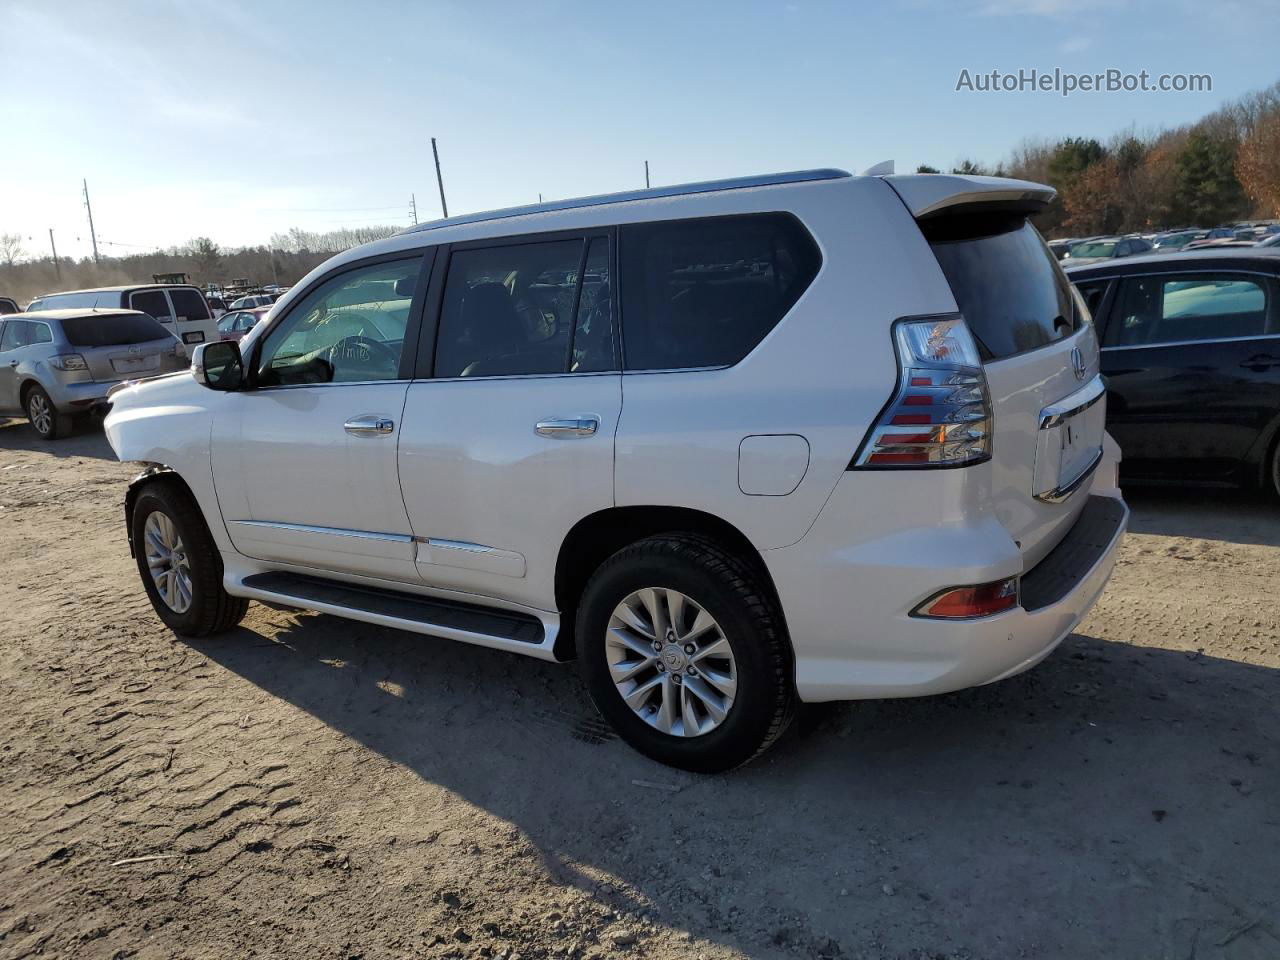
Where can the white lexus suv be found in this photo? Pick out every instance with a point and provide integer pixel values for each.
(732, 445)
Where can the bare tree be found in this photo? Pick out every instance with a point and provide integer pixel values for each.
(11, 248)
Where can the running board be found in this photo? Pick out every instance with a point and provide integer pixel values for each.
(472, 623)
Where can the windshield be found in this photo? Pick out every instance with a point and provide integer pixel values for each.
(1103, 249)
(113, 329)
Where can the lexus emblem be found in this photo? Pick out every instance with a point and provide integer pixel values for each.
(1077, 363)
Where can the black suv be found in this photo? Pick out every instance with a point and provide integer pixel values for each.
(1191, 356)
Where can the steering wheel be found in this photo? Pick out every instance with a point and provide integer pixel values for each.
(362, 351)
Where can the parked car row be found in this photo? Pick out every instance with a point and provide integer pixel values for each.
(1080, 250)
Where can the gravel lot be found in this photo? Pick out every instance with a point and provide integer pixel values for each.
(309, 787)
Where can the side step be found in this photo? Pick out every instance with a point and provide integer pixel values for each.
(447, 618)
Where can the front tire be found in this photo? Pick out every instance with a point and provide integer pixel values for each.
(179, 563)
(46, 420)
(684, 652)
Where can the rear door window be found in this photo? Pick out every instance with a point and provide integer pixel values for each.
(1009, 287)
(1187, 308)
(16, 334)
(105, 330)
(188, 304)
(513, 310)
(704, 293)
(153, 302)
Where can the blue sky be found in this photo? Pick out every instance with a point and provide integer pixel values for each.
(236, 119)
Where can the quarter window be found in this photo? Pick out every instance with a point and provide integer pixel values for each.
(1172, 309)
(350, 329)
(526, 308)
(703, 293)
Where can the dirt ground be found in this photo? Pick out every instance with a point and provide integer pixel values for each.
(310, 787)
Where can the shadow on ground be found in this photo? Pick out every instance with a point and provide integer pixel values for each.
(1117, 801)
(86, 440)
(1212, 513)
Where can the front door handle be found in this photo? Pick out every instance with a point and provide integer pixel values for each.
(369, 426)
(567, 427)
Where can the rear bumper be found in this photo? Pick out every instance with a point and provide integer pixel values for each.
(79, 397)
(849, 614)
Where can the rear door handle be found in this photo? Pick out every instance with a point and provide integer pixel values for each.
(567, 427)
(369, 426)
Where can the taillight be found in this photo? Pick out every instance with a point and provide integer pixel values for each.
(940, 415)
(965, 603)
(68, 361)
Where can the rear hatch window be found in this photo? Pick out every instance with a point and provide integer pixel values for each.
(189, 304)
(113, 330)
(1007, 283)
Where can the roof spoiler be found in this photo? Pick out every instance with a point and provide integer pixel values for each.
(933, 194)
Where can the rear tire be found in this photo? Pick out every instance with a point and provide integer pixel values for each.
(179, 563)
(45, 419)
(684, 652)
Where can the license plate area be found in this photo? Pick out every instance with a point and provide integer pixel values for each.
(135, 364)
(1069, 442)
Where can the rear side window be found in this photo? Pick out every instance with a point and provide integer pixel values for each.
(108, 330)
(1009, 287)
(1192, 307)
(153, 302)
(703, 293)
(189, 304)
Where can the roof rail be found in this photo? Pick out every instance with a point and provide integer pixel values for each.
(652, 193)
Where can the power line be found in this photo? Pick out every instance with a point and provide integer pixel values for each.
(398, 206)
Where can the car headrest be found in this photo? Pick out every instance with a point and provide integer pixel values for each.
(405, 286)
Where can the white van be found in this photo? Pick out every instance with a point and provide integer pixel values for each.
(182, 308)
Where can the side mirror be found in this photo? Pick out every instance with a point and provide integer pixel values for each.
(218, 366)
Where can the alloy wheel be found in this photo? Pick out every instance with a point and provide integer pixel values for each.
(670, 662)
(41, 413)
(167, 562)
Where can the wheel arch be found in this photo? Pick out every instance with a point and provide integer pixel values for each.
(1264, 450)
(24, 390)
(599, 535)
(154, 472)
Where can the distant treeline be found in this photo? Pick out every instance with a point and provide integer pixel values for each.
(288, 258)
(1223, 168)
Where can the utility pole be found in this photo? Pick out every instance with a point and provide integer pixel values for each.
(646, 174)
(413, 208)
(57, 267)
(444, 207)
(92, 236)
